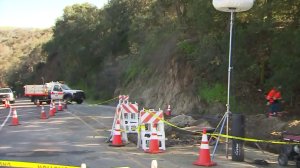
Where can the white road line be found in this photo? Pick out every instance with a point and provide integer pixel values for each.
(4, 122)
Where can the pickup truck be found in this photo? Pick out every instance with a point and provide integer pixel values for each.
(7, 94)
(54, 91)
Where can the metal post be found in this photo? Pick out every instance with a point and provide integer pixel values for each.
(228, 85)
(222, 126)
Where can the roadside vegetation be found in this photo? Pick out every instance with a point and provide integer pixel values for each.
(103, 50)
(21, 55)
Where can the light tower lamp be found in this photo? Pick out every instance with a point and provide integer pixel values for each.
(231, 6)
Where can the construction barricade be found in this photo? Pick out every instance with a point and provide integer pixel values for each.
(127, 115)
(130, 116)
(117, 117)
(151, 123)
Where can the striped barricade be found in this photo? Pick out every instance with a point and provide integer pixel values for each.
(146, 121)
(119, 116)
(130, 114)
(123, 99)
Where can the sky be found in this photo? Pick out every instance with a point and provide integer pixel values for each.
(36, 13)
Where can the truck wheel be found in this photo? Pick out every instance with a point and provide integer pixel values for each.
(68, 99)
(79, 101)
(35, 101)
(287, 149)
(283, 159)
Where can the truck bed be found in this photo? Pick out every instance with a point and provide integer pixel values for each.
(35, 90)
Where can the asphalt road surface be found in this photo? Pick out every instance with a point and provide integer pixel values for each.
(78, 135)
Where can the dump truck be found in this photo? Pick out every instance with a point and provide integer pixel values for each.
(55, 91)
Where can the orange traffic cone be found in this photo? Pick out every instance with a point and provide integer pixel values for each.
(7, 104)
(53, 107)
(204, 154)
(59, 108)
(117, 137)
(51, 113)
(43, 114)
(168, 112)
(15, 120)
(154, 142)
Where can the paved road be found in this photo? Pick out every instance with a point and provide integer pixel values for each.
(77, 135)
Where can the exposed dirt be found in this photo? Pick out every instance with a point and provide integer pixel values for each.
(258, 127)
(270, 128)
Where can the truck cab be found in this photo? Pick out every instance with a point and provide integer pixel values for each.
(56, 92)
(63, 91)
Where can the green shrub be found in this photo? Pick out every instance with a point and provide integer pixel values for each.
(132, 72)
(186, 47)
(218, 93)
(214, 93)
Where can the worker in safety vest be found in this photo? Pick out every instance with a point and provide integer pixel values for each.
(274, 100)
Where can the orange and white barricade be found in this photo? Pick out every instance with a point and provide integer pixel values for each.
(130, 116)
(120, 117)
(148, 120)
(123, 99)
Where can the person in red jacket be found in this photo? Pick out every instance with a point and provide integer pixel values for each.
(270, 96)
(274, 99)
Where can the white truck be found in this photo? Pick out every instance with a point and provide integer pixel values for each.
(54, 91)
(7, 94)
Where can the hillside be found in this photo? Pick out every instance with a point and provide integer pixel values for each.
(20, 51)
(161, 53)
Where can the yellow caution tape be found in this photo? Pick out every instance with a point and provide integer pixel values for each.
(168, 123)
(142, 127)
(7, 163)
(227, 136)
(107, 100)
(255, 140)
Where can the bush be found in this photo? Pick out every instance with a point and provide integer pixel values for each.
(214, 93)
(186, 47)
(132, 72)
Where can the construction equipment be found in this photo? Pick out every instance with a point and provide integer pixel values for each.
(290, 152)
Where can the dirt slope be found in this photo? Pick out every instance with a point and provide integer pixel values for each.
(261, 127)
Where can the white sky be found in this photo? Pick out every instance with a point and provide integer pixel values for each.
(36, 13)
